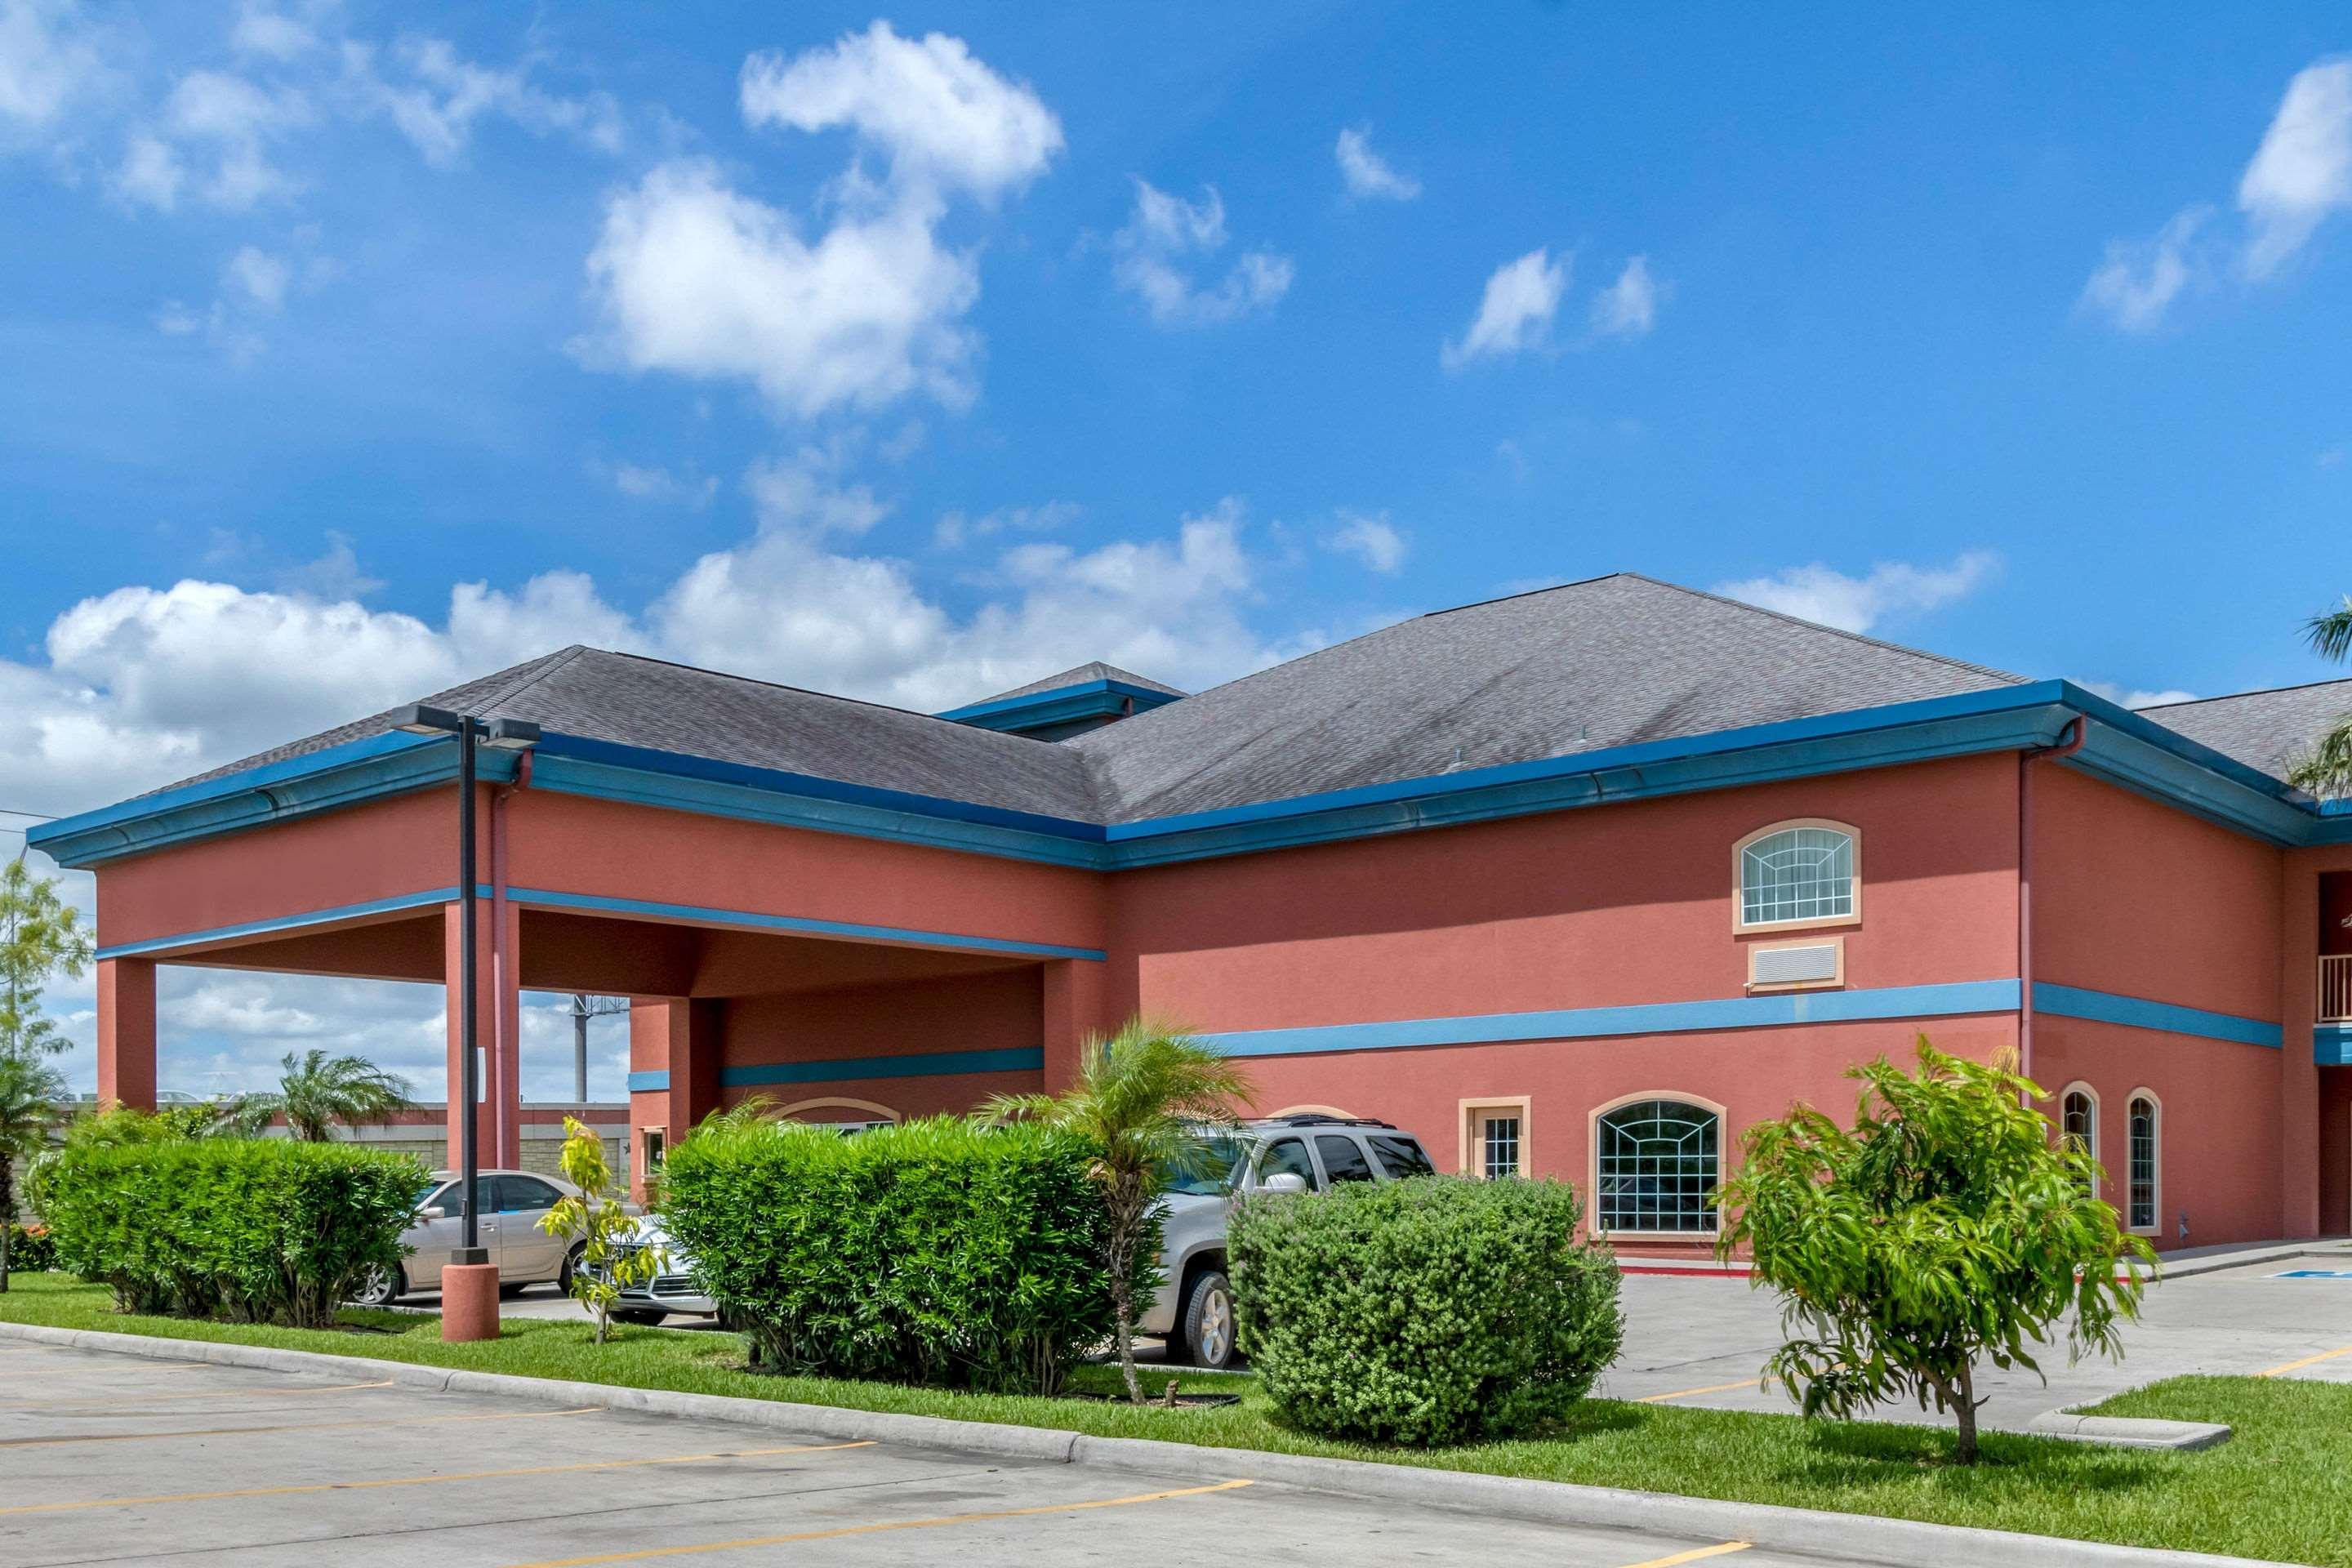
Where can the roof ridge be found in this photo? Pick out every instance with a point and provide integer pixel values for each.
(2252, 691)
(2013, 678)
(551, 663)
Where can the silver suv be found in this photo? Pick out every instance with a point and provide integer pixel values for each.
(1194, 1307)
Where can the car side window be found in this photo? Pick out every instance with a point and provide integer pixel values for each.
(1401, 1157)
(522, 1195)
(1343, 1159)
(1287, 1156)
(442, 1202)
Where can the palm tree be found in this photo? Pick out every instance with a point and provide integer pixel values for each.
(2325, 769)
(30, 1091)
(318, 1091)
(1149, 1099)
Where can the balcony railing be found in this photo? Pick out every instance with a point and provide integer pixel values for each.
(2335, 988)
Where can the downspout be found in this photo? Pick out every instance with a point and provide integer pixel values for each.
(2025, 760)
(505, 1096)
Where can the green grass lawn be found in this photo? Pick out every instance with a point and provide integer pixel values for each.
(2281, 1489)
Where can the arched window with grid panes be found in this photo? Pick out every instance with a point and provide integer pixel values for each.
(1791, 874)
(1656, 1166)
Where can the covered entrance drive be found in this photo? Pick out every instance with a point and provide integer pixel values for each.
(845, 979)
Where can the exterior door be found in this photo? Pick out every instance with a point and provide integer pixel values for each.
(526, 1253)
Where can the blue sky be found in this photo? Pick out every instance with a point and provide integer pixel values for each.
(350, 350)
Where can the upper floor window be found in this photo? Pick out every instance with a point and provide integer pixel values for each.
(1797, 873)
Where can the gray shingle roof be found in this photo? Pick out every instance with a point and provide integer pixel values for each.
(1078, 674)
(1610, 661)
(2264, 730)
(636, 702)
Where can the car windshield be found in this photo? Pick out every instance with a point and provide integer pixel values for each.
(1209, 1173)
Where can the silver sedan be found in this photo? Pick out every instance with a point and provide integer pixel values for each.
(510, 1206)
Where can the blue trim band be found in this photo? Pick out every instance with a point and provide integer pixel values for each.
(1060, 704)
(599, 903)
(2138, 1013)
(648, 1082)
(2121, 747)
(845, 1069)
(1645, 1018)
(2331, 1044)
(283, 922)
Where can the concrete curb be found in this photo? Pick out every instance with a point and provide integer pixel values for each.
(2126, 1432)
(1892, 1542)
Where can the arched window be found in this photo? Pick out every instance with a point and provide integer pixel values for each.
(1655, 1164)
(2142, 1190)
(2078, 1121)
(1797, 873)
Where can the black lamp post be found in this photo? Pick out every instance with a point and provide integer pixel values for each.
(508, 734)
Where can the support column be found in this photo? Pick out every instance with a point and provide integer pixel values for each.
(1078, 999)
(502, 1027)
(126, 1032)
(675, 1044)
(2298, 1143)
(485, 990)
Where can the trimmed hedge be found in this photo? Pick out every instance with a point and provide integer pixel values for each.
(265, 1230)
(1433, 1311)
(935, 1252)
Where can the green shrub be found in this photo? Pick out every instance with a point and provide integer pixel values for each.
(257, 1230)
(31, 1248)
(1431, 1310)
(934, 1252)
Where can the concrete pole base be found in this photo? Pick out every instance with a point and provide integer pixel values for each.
(469, 1303)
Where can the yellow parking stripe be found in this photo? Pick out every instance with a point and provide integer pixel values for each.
(423, 1480)
(220, 1394)
(1687, 1392)
(850, 1529)
(293, 1427)
(2307, 1361)
(1700, 1555)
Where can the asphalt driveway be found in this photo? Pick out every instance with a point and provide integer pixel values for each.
(117, 1459)
(1700, 1341)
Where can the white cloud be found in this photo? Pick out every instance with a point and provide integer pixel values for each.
(1629, 307)
(2138, 281)
(957, 528)
(232, 120)
(2303, 171)
(1370, 538)
(2136, 696)
(434, 97)
(1892, 588)
(692, 276)
(150, 173)
(260, 277)
(1166, 237)
(944, 119)
(1516, 310)
(685, 486)
(272, 34)
(50, 59)
(1367, 173)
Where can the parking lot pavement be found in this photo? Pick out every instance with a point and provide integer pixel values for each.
(1701, 1340)
(115, 1460)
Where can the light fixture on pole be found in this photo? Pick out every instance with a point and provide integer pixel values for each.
(508, 734)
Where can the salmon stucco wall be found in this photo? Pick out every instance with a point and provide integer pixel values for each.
(1599, 906)
(2141, 899)
(2218, 1121)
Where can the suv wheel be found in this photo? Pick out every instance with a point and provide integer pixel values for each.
(1206, 1325)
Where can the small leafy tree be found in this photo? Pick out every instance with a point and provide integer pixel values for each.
(607, 1264)
(30, 1091)
(2324, 767)
(1945, 1225)
(1151, 1099)
(318, 1091)
(40, 935)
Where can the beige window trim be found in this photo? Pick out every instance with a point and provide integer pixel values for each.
(1593, 1162)
(1765, 988)
(2156, 1208)
(1470, 1126)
